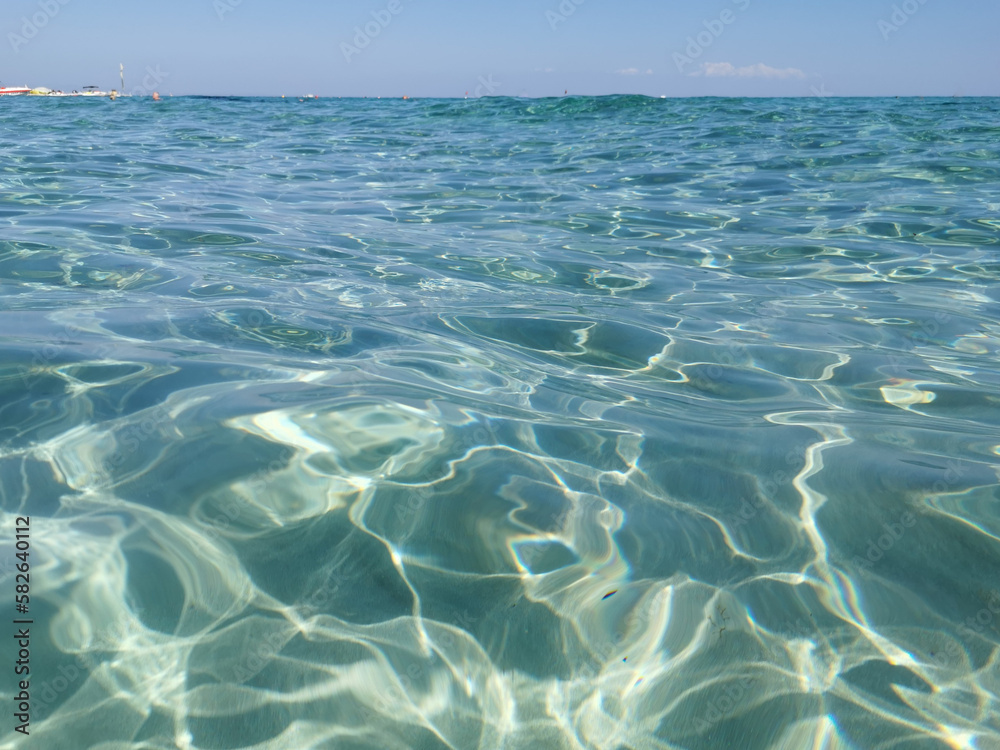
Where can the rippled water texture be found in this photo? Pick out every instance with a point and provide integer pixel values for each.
(617, 424)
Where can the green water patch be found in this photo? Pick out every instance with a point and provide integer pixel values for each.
(159, 606)
(146, 241)
(590, 343)
(218, 290)
(221, 239)
(989, 271)
(734, 383)
(255, 325)
(100, 374)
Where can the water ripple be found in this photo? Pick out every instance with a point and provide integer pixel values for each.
(587, 422)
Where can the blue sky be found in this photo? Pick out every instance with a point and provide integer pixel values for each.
(515, 47)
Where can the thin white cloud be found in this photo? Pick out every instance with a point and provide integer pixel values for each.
(760, 70)
(545, 70)
(634, 72)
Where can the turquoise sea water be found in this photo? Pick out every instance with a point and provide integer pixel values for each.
(607, 423)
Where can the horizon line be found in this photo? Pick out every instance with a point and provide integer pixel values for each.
(512, 96)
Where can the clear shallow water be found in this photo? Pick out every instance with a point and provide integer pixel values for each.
(339, 421)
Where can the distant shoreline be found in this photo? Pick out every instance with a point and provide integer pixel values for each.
(298, 97)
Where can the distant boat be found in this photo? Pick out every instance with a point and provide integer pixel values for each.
(13, 90)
